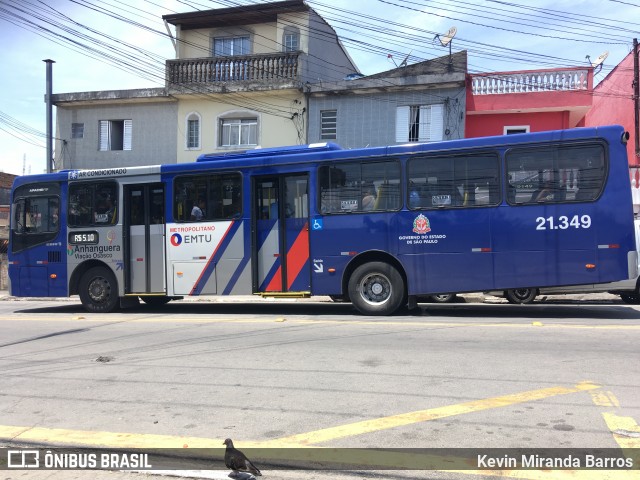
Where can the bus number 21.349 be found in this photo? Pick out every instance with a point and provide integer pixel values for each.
(563, 222)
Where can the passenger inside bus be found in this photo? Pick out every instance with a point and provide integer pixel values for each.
(543, 194)
(54, 222)
(197, 213)
(369, 198)
(105, 211)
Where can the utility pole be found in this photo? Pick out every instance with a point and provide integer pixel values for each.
(49, 114)
(636, 99)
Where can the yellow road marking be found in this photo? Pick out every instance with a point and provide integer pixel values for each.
(61, 436)
(555, 474)
(381, 323)
(625, 431)
(367, 426)
(58, 436)
(604, 399)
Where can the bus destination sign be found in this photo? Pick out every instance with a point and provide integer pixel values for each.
(83, 238)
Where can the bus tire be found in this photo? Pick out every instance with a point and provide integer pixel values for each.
(337, 298)
(443, 298)
(99, 290)
(376, 288)
(521, 296)
(632, 298)
(156, 301)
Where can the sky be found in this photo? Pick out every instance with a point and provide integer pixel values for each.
(123, 44)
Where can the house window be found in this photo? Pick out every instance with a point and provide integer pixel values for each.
(291, 39)
(230, 46)
(328, 124)
(419, 123)
(291, 42)
(77, 130)
(193, 131)
(517, 129)
(238, 132)
(115, 135)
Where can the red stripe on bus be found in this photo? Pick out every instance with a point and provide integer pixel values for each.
(298, 255)
(275, 285)
(195, 285)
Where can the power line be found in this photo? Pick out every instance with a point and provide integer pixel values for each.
(370, 34)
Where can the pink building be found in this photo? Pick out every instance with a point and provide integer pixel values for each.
(613, 103)
(500, 103)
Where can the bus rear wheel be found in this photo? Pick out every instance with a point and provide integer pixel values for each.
(521, 296)
(376, 288)
(99, 290)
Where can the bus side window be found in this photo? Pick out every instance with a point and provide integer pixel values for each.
(453, 181)
(588, 185)
(92, 204)
(31, 218)
(207, 197)
(19, 221)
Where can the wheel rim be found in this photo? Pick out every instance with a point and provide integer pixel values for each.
(522, 293)
(442, 298)
(375, 288)
(99, 290)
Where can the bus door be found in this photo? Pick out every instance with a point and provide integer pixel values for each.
(281, 234)
(144, 244)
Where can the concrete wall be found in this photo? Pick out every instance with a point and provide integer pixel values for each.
(274, 111)
(198, 43)
(153, 135)
(493, 124)
(327, 60)
(6, 182)
(369, 119)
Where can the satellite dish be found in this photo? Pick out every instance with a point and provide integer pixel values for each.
(446, 40)
(600, 59)
(447, 37)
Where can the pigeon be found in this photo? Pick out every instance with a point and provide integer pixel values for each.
(237, 461)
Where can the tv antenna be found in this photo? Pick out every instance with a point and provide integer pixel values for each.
(403, 63)
(598, 61)
(445, 40)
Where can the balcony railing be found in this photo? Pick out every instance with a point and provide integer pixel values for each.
(279, 67)
(527, 82)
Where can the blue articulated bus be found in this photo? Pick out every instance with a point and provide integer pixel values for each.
(379, 227)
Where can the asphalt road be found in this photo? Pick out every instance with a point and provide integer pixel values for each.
(317, 374)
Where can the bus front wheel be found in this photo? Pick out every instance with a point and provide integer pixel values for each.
(376, 288)
(521, 295)
(99, 290)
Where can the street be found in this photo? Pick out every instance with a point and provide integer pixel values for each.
(315, 373)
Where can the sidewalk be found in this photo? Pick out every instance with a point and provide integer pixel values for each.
(478, 297)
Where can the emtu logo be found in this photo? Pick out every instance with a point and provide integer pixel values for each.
(176, 239)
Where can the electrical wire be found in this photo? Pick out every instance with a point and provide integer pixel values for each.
(369, 34)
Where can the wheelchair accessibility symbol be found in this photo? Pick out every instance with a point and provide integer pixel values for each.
(317, 224)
